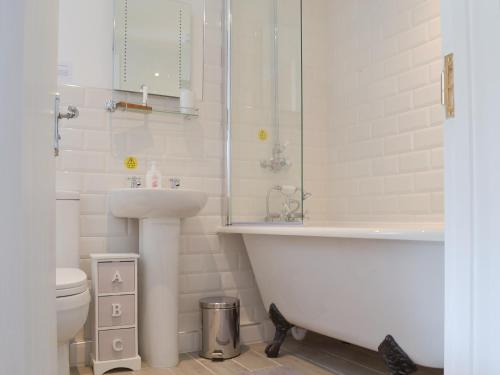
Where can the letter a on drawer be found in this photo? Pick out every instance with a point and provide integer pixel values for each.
(117, 278)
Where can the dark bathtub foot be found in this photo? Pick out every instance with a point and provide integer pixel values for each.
(282, 328)
(396, 360)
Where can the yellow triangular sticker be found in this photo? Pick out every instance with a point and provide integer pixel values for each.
(131, 163)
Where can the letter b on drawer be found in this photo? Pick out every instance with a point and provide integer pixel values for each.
(116, 277)
(116, 311)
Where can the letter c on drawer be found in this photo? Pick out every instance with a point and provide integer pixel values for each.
(116, 310)
(118, 345)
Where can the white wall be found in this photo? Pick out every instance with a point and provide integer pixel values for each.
(85, 42)
(189, 149)
(316, 108)
(28, 32)
(253, 105)
(253, 102)
(372, 142)
(372, 130)
(385, 114)
(86, 39)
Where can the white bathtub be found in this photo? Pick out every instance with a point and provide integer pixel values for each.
(355, 284)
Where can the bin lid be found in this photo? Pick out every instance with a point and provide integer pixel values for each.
(219, 303)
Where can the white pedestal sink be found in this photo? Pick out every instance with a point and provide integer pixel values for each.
(159, 212)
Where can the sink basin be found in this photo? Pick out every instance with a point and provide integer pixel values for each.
(159, 212)
(156, 203)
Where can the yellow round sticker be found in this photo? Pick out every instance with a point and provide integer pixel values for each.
(262, 134)
(131, 163)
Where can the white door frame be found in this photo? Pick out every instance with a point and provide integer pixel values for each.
(28, 41)
(471, 30)
(458, 196)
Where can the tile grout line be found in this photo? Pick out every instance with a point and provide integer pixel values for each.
(301, 356)
(138, 372)
(342, 358)
(240, 364)
(265, 357)
(171, 371)
(202, 364)
(339, 357)
(352, 362)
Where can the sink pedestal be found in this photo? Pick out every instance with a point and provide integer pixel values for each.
(159, 212)
(158, 284)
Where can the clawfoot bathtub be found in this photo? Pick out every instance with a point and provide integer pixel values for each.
(358, 285)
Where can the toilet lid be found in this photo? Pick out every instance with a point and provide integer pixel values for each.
(70, 281)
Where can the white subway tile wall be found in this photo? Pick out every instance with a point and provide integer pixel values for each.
(385, 117)
(316, 109)
(189, 149)
(253, 106)
(253, 103)
(372, 145)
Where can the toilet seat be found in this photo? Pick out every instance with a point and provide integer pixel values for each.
(70, 282)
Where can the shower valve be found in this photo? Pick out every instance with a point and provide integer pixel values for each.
(277, 162)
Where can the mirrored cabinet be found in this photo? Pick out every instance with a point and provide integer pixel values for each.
(152, 57)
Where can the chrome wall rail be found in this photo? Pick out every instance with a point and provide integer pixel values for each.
(57, 135)
(226, 110)
(72, 113)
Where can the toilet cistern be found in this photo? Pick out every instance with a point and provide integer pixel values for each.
(72, 294)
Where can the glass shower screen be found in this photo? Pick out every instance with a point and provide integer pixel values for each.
(264, 100)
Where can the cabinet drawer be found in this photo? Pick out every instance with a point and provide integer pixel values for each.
(116, 277)
(117, 344)
(116, 311)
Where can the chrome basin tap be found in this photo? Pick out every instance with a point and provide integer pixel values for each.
(134, 182)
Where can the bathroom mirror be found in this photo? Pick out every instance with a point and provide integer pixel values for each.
(152, 46)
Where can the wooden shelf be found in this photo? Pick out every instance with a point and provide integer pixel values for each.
(126, 106)
(123, 106)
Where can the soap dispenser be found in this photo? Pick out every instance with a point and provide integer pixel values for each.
(153, 177)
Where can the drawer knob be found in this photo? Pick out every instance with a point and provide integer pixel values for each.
(116, 310)
(117, 278)
(118, 345)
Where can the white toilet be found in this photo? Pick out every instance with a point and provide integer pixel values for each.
(72, 291)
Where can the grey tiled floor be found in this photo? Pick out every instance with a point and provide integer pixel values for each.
(316, 355)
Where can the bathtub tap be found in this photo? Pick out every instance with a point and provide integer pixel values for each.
(290, 208)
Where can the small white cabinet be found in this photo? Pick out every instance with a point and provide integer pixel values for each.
(114, 312)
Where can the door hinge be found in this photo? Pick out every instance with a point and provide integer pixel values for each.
(448, 86)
